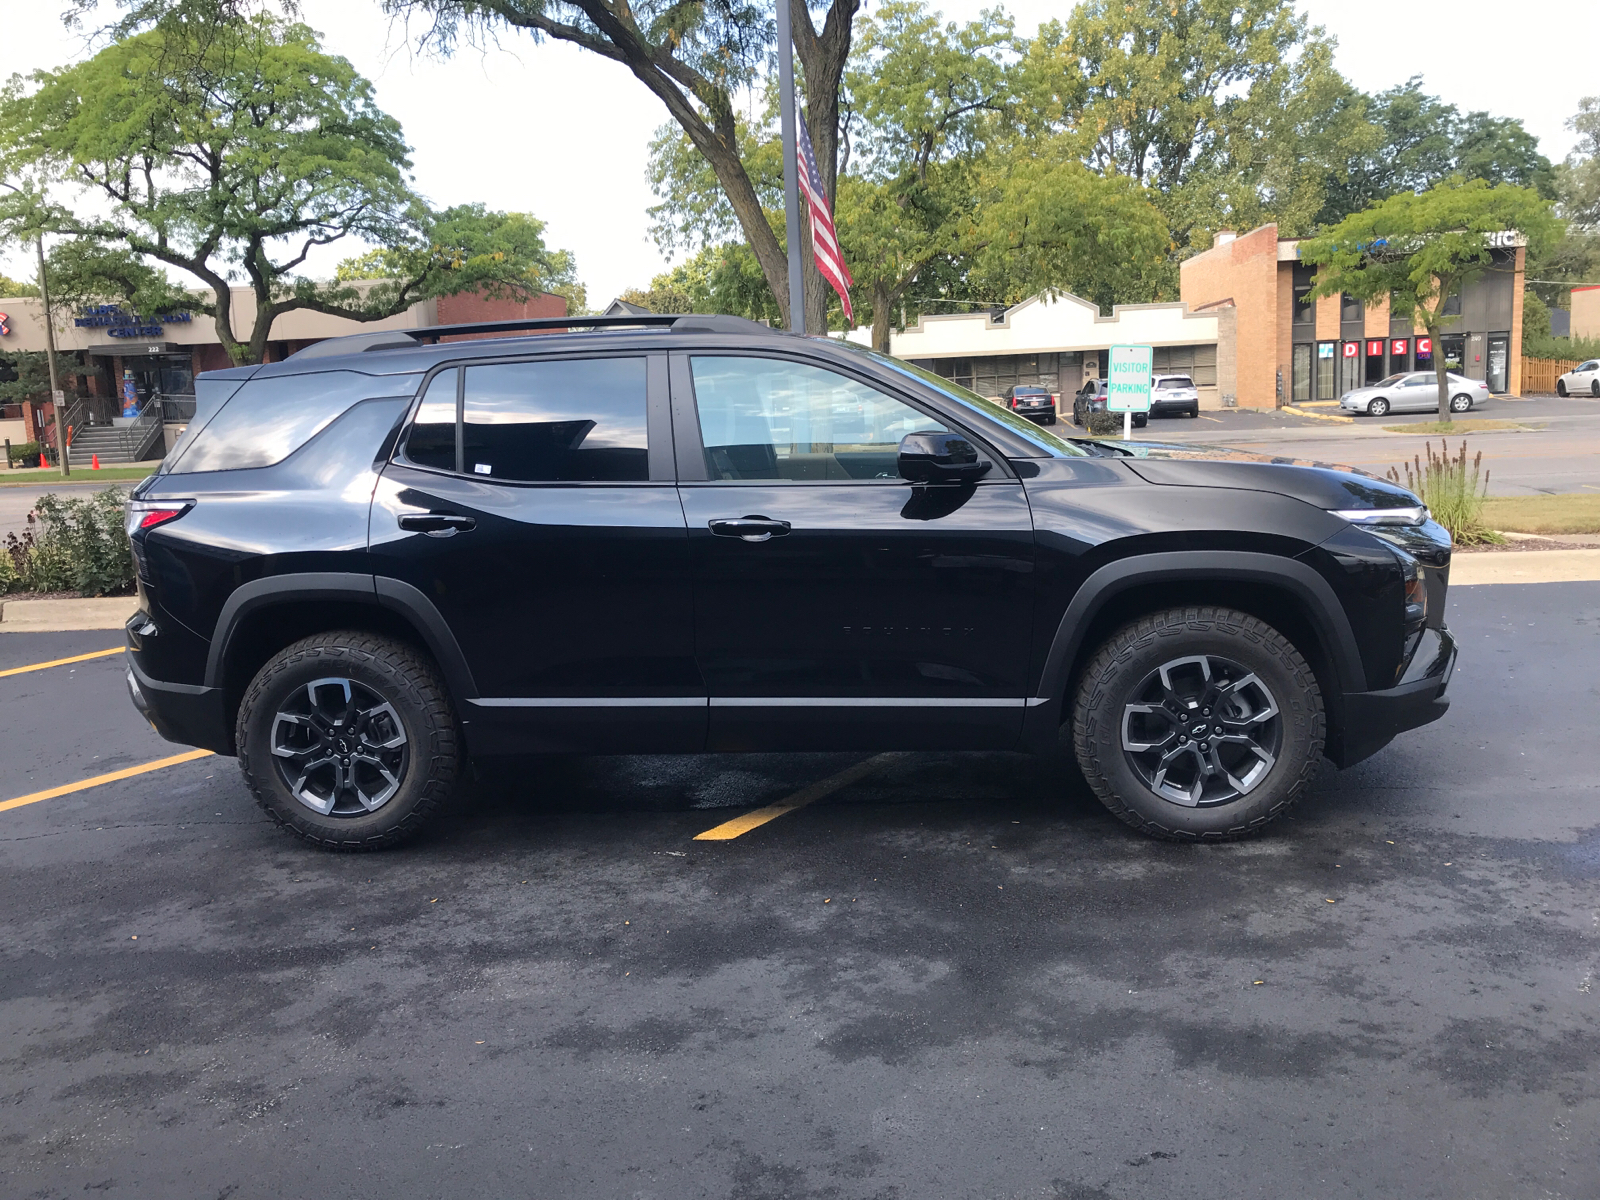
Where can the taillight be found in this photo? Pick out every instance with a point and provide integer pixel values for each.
(147, 514)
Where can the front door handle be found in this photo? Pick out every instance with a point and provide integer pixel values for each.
(748, 529)
(437, 524)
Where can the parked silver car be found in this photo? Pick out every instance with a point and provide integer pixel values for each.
(1414, 391)
(1582, 380)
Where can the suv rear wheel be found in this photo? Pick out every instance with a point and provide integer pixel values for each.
(1198, 724)
(348, 740)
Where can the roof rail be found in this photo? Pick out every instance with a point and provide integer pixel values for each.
(535, 323)
(392, 339)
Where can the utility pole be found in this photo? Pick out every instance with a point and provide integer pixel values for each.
(57, 396)
(791, 180)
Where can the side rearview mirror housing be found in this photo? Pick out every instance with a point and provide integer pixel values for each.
(938, 457)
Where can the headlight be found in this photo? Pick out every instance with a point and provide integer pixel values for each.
(1383, 516)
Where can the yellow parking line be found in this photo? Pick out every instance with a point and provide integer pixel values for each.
(60, 662)
(1303, 412)
(110, 777)
(729, 830)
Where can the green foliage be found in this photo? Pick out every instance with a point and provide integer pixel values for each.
(21, 451)
(467, 248)
(1560, 349)
(76, 542)
(1103, 424)
(235, 147)
(1424, 141)
(718, 279)
(1419, 250)
(1230, 111)
(12, 288)
(24, 375)
(1454, 500)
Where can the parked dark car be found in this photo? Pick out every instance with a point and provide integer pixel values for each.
(1035, 403)
(366, 565)
(1091, 398)
(1174, 395)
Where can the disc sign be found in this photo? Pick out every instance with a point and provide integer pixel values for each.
(1128, 379)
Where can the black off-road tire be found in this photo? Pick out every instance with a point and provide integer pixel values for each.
(1130, 655)
(399, 674)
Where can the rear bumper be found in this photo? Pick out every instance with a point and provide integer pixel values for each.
(184, 713)
(1370, 720)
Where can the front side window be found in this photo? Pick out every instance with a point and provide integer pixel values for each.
(765, 418)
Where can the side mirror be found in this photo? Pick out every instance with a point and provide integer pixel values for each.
(940, 458)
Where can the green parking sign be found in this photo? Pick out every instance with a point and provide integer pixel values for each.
(1128, 379)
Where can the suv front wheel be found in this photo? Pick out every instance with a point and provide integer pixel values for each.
(348, 740)
(1198, 724)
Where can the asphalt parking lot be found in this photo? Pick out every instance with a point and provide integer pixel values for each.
(951, 976)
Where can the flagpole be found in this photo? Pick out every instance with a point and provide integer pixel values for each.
(791, 184)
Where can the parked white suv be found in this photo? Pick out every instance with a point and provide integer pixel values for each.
(1585, 377)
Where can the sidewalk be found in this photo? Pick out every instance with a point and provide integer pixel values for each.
(56, 616)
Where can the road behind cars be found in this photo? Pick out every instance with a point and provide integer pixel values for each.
(955, 977)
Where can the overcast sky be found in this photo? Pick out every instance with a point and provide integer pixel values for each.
(552, 130)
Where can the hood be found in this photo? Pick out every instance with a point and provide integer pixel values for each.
(1325, 485)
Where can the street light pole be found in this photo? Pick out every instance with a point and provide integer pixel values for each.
(57, 396)
(791, 180)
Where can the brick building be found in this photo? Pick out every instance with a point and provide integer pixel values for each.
(1291, 348)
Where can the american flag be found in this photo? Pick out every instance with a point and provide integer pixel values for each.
(824, 241)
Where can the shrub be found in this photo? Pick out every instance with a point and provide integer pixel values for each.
(1455, 502)
(1103, 424)
(85, 542)
(22, 451)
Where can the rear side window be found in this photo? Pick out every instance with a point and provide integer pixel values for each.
(267, 420)
(557, 421)
(432, 440)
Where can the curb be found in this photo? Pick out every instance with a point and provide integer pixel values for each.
(61, 616)
(1316, 416)
(1525, 566)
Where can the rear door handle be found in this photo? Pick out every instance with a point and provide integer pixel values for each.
(749, 529)
(438, 524)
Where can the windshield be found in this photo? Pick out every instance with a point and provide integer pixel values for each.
(1021, 426)
(1392, 381)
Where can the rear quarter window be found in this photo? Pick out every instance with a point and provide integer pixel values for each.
(267, 420)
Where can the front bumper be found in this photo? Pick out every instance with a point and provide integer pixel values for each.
(1369, 721)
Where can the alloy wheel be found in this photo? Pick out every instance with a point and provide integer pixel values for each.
(1460, 403)
(340, 747)
(1202, 731)
(1378, 407)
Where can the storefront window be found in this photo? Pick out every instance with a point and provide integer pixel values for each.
(1374, 349)
(1424, 355)
(1497, 376)
(1302, 371)
(1454, 348)
(1399, 355)
(1349, 366)
(1327, 365)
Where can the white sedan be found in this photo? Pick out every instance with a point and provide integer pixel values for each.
(1414, 391)
(1583, 379)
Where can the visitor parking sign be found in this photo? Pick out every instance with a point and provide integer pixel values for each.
(1128, 379)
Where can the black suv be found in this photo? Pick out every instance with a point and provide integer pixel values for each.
(361, 566)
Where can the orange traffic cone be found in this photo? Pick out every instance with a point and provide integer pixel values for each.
(94, 462)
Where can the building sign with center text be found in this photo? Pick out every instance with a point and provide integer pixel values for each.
(121, 324)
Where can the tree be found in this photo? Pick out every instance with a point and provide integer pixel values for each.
(694, 58)
(1422, 249)
(1422, 141)
(1230, 111)
(233, 149)
(15, 287)
(924, 98)
(721, 278)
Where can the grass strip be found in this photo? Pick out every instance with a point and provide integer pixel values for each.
(1572, 512)
(1470, 426)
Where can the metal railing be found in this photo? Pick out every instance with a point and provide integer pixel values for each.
(176, 408)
